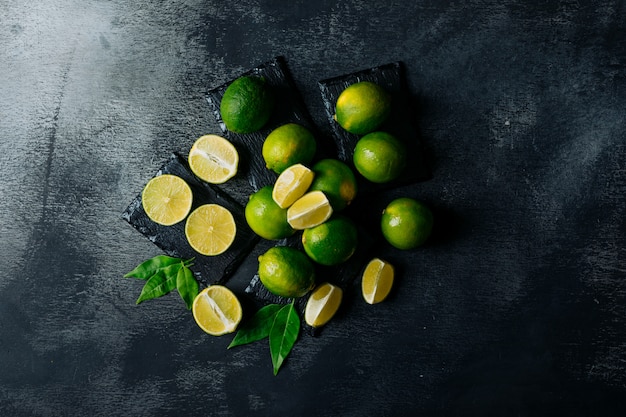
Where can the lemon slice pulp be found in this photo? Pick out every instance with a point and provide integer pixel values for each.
(210, 229)
(217, 310)
(291, 184)
(322, 305)
(310, 210)
(166, 199)
(213, 159)
(377, 281)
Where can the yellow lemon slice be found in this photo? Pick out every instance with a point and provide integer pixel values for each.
(377, 281)
(217, 310)
(166, 199)
(210, 229)
(322, 305)
(291, 184)
(310, 210)
(213, 159)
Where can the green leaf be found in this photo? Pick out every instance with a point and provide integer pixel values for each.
(148, 268)
(160, 283)
(187, 286)
(258, 327)
(283, 334)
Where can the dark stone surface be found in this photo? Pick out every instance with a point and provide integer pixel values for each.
(517, 305)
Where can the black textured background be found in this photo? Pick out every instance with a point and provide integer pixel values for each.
(517, 306)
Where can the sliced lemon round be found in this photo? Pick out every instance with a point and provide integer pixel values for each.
(166, 199)
(210, 229)
(291, 184)
(213, 159)
(322, 305)
(377, 281)
(310, 210)
(217, 310)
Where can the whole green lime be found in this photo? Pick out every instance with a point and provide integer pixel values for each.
(332, 242)
(265, 217)
(287, 145)
(247, 104)
(406, 223)
(380, 157)
(286, 272)
(362, 107)
(335, 179)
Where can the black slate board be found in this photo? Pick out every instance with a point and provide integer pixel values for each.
(171, 239)
(289, 108)
(400, 123)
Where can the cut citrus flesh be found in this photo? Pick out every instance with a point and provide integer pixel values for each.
(291, 184)
(217, 310)
(213, 159)
(322, 305)
(377, 281)
(166, 199)
(310, 210)
(210, 229)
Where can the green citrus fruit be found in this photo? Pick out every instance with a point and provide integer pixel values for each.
(362, 107)
(287, 145)
(379, 156)
(247, 104)
(265, 217)
(286, 272)
(332, 242)
(336, 180)
(406, 223)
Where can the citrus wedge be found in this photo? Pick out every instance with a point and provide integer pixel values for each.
(213, 159)
(210, 229)
(322, 305)
(217, 310)
(377, 281)
(166, 199)
(310, 210)
(291, 184)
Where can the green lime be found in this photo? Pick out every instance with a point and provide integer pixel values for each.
(286, 272)
(336, 180)
(406, 223)
(379, 156)
(287, 145)
(265, 217)
(362, 107)
(247, 104)
(332, 242)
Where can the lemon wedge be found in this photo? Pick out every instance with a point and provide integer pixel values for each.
(377, 281)
(213, 159)
(291, 184)
(217, 310)
(322, 305)
(310, 210)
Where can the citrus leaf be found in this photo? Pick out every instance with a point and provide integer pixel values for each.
(160, 283)
(258, 327)
(150, 267)
(283, 334)
(186, 285)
